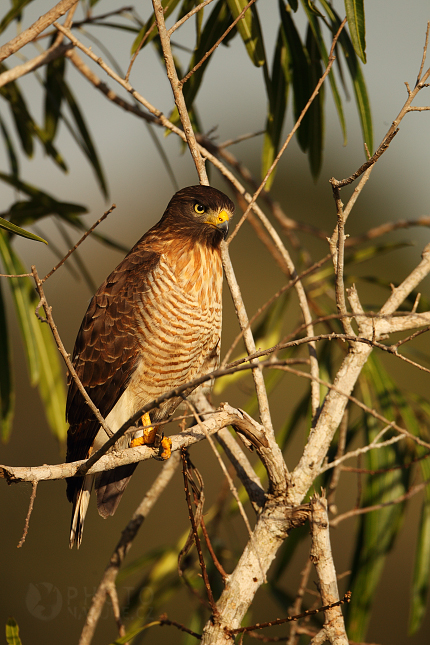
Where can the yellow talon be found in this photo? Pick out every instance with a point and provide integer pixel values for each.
(149, 433)
(166, 444)
(137, 441)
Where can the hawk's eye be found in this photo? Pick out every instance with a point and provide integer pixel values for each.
(199, 209)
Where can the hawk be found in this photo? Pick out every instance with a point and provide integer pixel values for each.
(154, 324)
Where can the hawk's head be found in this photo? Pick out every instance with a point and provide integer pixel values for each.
(201, 212)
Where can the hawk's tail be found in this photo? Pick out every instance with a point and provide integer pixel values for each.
(110, 487)
(80, 506)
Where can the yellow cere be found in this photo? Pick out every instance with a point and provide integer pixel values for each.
(223, 217)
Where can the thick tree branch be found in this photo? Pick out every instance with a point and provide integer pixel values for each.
(321, 556)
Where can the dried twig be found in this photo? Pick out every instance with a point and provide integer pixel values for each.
(281, 621)
(30, 509)
(36, 28)
(66, 357)
(84, 237)
(176, 86)
(321, 556)
(187, 476)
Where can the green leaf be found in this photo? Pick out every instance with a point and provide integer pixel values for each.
(13, 13)
(54, 95)
(315, 114)
(378, 529)
(42, 354)
(12, 632)
(39, 205)
(6, 375)
(355, 13)
(358, 82)
(8, 226)
(278, 97)
(300, 72)
(84, 140)
(217, 23)
(420, 582)
(315, 26)
(132, 633)
(51, 382)
(294, 4)
(13, 159)
(20, 288)
(25, 125)
(20, 114)
(421, 575)
(250, 30)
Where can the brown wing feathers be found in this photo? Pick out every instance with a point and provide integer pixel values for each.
(105, 352)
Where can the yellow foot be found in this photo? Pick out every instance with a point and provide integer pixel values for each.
(149, 433)
(166, 446)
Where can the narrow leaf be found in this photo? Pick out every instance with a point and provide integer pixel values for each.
(6, 376)
(277, 108)
(13, 13)
(315, 26)
(85, 141)
(315, 114)
(359, 85)
(300, 72)
(54, 95)
(12, 632)
(51, 382)
(40, 204)
(19, 288)
(249, 29)
(420, 582)
(20, 114)
(8, 226)
(13, 159)
(50, 377)
(217, 23)
(379, 529)
(355, 13)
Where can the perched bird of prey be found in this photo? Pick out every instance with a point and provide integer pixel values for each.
(153, 325)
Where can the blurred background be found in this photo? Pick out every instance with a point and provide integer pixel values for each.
(44, 570)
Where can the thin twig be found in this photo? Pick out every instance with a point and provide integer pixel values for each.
(185, 469)
(218, 42)
(30, 509)
(343, 429)
(66, 357)
(376, 507)
(423, 60)
(295, 609)
(84, 237)
(280, 621)
(232, 487)
(176, 86)
(36, 28)
(187, 16)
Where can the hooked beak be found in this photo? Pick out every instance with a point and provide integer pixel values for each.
(222, 223)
